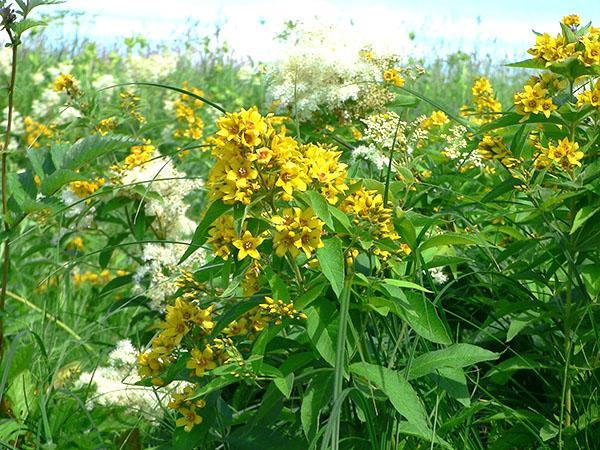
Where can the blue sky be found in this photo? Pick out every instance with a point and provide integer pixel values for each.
(500, 28)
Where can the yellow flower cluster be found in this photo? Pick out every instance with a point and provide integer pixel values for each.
(486, 106)
(252, 156)
(564, 153)
(534, 99)
(278, 310)
(493, 148)
(368, 209)
(437, 119)
(297, 230)
(590, 96)
(36, 131)
(107, 125)
(75, 244)
(138, 155)
(129, 104)
(555, 49)
(392, 76)
(572, 20)
(187, 114)
(84, 189)
(181, 319)
(222, 235)
(67, 83)
(91, 278)
(186, 406)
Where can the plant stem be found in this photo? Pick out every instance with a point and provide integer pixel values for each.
(388, 177)
(6, 246)
(340, 356)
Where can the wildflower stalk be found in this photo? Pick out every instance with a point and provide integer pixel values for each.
(388, 176)
(6, 244)
(340, 356)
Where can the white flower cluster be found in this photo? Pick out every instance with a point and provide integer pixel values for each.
(160, 175)
(161, 270)
(104, 81)
(152, 68)
(114, 385)
(381, 128)
(322, 68)
(437, 275)
(371, 154)
(156, 277)
(386, 130)
(455, 145)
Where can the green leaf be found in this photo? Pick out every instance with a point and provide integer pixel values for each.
(279, 289)
(331, 258)
(315, 398)
(454, 382)
(582, 216)
(285, 384)
(53, 182)
(318, 204)
(532, 63)
(322, 328)
(456, 356)
(399, 391)
(405, 284)
(340, 220)
(20, 27)
(448, 239)
(419, 312)
(214, 211)
(88, 149)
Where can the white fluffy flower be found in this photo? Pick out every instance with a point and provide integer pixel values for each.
(152, 68)
(161, 176)
(322, 69)
(160, 271)
(438, 275)
(63, 67)
(104, 81)
(371, 154)
(114, 385)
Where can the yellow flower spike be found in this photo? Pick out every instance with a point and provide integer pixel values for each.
(247, 246)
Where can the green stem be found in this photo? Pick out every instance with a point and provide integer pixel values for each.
(6, 246)
(388, 176)
(340, 355)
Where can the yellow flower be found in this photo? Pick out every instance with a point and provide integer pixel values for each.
(201, 361)
(572, 20)
(247, 246)
(66, 82)
(75, 244)
(189, 419)
(591, 53)
(222, 235)
(390, 75)
(590, 97)
(291, 177)
(436, 119)
(106, 125)
(565, 153)
(533, 100)
(399, 81)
